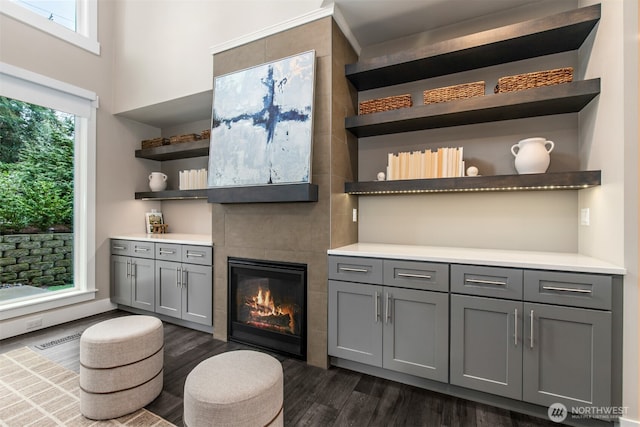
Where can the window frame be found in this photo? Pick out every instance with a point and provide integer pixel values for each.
(27, 86)
(86, 34)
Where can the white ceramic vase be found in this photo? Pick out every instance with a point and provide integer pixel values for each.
(532, 155)
(157, 181)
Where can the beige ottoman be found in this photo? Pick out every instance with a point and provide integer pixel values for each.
(121, 366)
(237, 388)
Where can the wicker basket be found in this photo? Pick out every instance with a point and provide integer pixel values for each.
(184, 138)
(450, 93)
(205, 134)
(385, 104)
(155, 142)
(531, 80)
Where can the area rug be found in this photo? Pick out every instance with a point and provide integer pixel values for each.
(34, 391)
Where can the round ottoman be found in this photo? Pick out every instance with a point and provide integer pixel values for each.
(237, 388)
(121, 366)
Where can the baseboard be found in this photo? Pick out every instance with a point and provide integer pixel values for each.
(36, 321)
(627, 422)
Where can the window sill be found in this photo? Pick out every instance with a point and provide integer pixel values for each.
(56, 300)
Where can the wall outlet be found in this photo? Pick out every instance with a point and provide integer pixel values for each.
(355, 215)
(34, 323)
(585, 216)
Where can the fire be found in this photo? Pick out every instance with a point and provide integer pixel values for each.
(265, 311)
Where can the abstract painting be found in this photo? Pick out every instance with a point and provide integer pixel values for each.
(261, 130)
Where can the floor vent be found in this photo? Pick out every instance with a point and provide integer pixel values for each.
(59, 341)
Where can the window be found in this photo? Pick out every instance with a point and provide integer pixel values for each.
(75, 21)
(71, 104)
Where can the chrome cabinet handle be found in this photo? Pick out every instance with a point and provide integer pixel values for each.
(376, 307)
(133, 269)
(166, 252)
(128, 268)
(414, 276)
(387, 308)
(531, 331)
(118, 248)
(194, 254)
(353, 270)
(556, 288)
(185, 275)
(515, 327)
(137, 249)
(486, 282)
(178, 272)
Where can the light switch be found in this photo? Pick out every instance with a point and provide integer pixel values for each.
(355, 215)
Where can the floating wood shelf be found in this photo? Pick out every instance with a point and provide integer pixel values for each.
(542, 101)
(562, 32)
(539, 181)
(275, 193)
(278, 193)
(172, 195)
(183, 150)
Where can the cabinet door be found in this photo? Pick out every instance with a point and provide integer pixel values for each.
(567, 356)
(416, 333)
(120, 279)
(197, 294)
(486, 345)
(355, 323)
(168, 288)
(143, 283)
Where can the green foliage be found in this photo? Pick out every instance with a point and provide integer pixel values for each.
(36, 167)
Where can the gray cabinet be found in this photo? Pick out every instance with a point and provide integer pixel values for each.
(400, 329)
(567, 356)
(132, 274)
(486, 345)
(355, 329)
(523, 349)
(184, 290)
(175, 280)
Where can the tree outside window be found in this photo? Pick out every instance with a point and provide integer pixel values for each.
(36, 195)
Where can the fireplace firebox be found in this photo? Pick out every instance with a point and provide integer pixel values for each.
(267, 305)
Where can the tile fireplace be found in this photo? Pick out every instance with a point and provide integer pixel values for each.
(267, 305)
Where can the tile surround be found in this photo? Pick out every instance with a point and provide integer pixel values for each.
(296, 232)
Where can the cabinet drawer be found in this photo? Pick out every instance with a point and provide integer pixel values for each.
(143, 249)
(486, 281)
(355, 269)
(169, 252)
(120, 247)
(193, 254)
(573, 289)
(416, 274)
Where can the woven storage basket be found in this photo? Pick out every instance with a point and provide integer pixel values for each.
(155, 142)
(184, 138)
(531, 80)
(385, 104)
(450, 93)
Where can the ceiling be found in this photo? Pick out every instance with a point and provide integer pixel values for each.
(376, 21)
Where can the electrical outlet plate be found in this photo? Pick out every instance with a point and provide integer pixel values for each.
(585, 216)
(355, 215)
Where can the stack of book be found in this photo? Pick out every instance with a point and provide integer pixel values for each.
(193, 179)
(441, 163)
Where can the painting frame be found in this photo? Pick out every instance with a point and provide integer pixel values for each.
(151, 218)
(262, 124)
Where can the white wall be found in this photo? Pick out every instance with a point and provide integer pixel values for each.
(163, 46)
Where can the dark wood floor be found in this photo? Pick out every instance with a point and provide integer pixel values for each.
(312, 396)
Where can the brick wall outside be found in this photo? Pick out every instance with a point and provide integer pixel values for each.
(37, 259)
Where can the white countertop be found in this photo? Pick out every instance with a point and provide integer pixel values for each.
(496, 257)
(180, 238)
